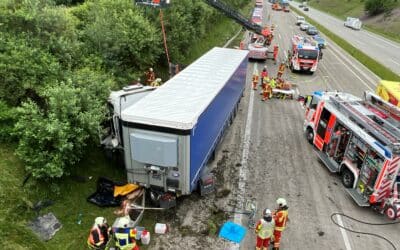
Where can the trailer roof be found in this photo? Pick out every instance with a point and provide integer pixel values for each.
(180, 101)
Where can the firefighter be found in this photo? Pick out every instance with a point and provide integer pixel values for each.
(280, 217)
(150, 76)
(276, 49)
(99, 234)
(156, 83)
(125, 236)
(281, 69)
(264, 73)
(264, 230)
(255, 79)
(267, 90)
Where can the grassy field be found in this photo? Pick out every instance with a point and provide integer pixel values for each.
(388, 26)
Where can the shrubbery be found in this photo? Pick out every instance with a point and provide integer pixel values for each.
(375, 7)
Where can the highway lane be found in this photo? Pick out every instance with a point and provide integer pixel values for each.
(385, 51)
(282, 164)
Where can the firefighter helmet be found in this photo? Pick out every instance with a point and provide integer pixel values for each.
(281, 202)
(100, 221)
(124, 221)
(267, 212)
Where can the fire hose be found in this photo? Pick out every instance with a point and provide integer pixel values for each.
(366, 223)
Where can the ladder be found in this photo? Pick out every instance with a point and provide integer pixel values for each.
(388, 135)
(382, 105)
(239, 18)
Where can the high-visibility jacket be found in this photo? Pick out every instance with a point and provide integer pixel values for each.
(272, 83)
(265, 229)
(125, 238)
(280, 218)
(95, 241)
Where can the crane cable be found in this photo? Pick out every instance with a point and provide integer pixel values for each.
(366, 223)
(164, 37)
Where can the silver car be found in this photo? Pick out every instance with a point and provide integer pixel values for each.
(304, 26)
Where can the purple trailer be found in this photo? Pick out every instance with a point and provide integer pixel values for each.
(170, 135)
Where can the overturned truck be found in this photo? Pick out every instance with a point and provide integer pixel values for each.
(171, 133)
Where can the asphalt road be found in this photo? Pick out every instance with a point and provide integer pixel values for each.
(279, 162)
(385, 51)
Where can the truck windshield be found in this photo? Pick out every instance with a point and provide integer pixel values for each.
(308, 54)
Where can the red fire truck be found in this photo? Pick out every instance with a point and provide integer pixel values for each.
(304, 54)
(359, 139)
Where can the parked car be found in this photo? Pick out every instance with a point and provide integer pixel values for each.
(306, 8)
(300, 20)
(312, 30)
(301, 6)
(353, 23)
(320, 41)
(304, 26)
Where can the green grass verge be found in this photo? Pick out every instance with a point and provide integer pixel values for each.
(221, 32)
(69, 197)
(366, 60)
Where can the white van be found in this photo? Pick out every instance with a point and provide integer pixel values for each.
(353, 23)
(300, 20)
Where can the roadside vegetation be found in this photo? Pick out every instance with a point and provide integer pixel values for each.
(379, 16)
(373, 65)
(59, 60)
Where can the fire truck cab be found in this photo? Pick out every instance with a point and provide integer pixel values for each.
(304, 54)
(359, 139)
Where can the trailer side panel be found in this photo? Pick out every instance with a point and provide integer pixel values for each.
(212, 122)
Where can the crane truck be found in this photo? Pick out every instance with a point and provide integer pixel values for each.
(258, 46)
(359, 139)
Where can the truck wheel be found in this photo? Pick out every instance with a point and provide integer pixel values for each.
(391, 212)
(310, 135)
(347, 178)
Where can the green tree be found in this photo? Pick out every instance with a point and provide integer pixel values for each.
(375, 7)
(53, 140)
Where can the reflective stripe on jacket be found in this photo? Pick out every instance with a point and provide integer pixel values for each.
(125, 238)
(280, 220)
(92, 239)
(265, 229)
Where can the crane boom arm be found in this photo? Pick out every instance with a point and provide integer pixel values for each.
(238, 17)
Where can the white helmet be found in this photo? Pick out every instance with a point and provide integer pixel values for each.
(267, 212)
(124, 221)
(281, 202)
(100, 221)
(151, 69)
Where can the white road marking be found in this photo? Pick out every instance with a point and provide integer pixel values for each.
(355, 74)
(279, 36)
(284, 52)
(344, 234)
(382, 39)
(245, 157)
(395, 62)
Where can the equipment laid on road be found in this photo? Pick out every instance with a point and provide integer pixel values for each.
(389, 91)
(353, 23)
(304, 54)
(359, 139)
(171, 134)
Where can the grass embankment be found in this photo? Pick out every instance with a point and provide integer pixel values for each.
(68, 194)
(390, 28)
(366, 60)
(220, 32)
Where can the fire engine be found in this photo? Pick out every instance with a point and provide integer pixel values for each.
(304, 54)
(359, 139)
(259, 3)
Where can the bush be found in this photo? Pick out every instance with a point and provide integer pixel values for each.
(375, 7)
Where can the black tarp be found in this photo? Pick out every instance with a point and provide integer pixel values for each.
(104, 195)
